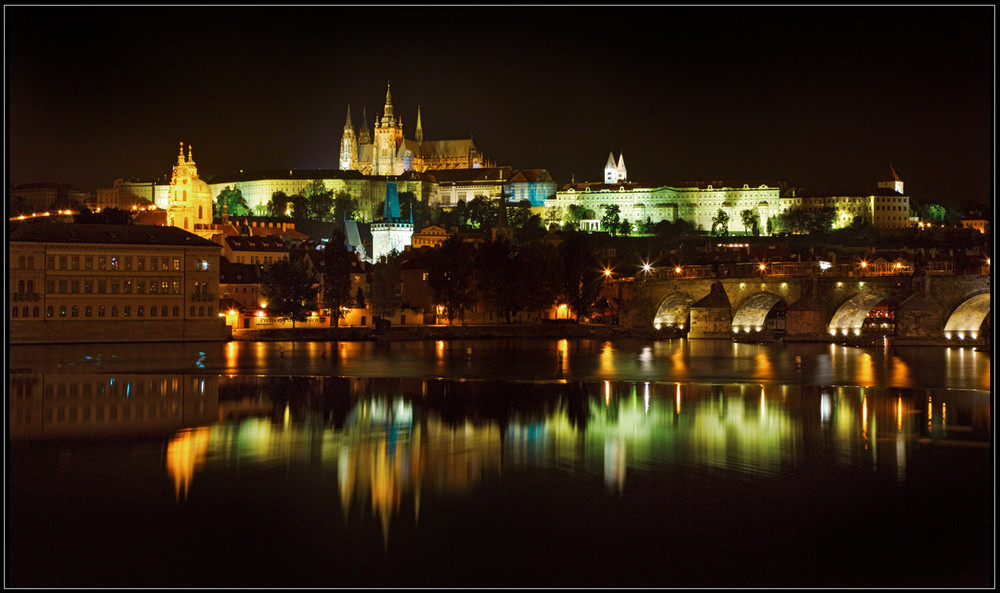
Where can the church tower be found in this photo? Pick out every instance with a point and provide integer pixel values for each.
(348, 146)
(615, 173)
(891, 181)
(388, 137)
(620, 169)
(189, 199)
(610, 170)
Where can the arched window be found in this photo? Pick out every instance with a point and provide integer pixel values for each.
(31, 286)
(48, 311)
(24, 311)
(62, 310)
(88, 311)
(20, 286)
(152, 311)
(192, 310)
(13, 312)
(185, 223)
(185, 195)
(34, 312)
(201, 213)
(75, 312)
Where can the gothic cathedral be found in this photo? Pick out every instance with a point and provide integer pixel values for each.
(390, 153)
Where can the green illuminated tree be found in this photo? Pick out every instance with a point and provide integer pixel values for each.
(289, 289)
(720, 223)
(278, 204)
(345, 207)
(751, 221)
(611, 220)
(233, 199)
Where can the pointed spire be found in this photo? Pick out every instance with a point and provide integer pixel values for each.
(611, 160)
(388, 104)
(349, 125)
(621, 160)
(391, 209)
(419, 136)
(363, 137)
(180, 157)
(190, 156)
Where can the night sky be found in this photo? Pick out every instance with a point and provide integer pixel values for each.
(815, 97)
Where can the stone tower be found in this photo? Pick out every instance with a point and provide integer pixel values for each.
(392, 232)
(348, 146)
(615, 173)
(891, 181)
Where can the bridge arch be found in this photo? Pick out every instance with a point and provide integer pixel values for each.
(673, 311)
(752, 314)
(967, 318)
(850, 316)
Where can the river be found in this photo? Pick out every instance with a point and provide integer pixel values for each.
(504, 462)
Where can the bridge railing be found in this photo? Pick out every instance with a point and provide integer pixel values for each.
(791, 269)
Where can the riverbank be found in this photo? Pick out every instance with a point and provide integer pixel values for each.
(444, 332)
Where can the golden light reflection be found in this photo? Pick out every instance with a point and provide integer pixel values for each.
(899, 414)
(864, 416)
(186, 453)
(866, 370)
(563, 349)
(607, 358)
(677, 400)
(607, 393)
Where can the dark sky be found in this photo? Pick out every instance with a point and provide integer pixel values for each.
(816, 97)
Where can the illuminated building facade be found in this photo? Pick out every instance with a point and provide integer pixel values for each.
(389, 152)
(698, 203)
(112, 283)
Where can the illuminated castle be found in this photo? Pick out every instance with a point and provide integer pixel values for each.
(388, 152)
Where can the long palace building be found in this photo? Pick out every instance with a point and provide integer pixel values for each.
(112, 283)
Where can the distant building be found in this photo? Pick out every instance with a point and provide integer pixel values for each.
(261, 250)
(42, 197)
(431, 235)
(112, 283)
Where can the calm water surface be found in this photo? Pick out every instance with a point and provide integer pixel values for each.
(499, 463)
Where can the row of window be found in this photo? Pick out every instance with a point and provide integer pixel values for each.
(110, 311)
(115, 286)
(112, 262)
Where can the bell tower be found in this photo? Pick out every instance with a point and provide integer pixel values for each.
(348, 146)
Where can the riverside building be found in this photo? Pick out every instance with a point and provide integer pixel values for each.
(112, 283)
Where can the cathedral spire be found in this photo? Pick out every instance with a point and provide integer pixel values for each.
(388, 104)
(419, 135)
(190, 155)
(348, 125)
(363, 137)
(180, 157)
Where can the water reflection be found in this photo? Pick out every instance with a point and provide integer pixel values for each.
(395, 442)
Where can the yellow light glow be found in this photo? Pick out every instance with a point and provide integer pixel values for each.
(677, 269)
(864, 264)
(607, 273)
(762, 267)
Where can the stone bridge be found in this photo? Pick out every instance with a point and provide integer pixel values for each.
(921, 310)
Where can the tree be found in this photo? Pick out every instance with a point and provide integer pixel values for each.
(300, 206)
(539, 270)
(483, 212)
(751, 221)
(495, 270)
(519, 214)
(345, 207)
(289, 289)
(935, 213)
(625, 227)
(107, 216)
(611, 220)
(337, 261)
(233, 198)
(450, 277)
(581, 277)
(320, 207)
(720, 223)
(386, 297)
(821, 219)
(278, 204)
